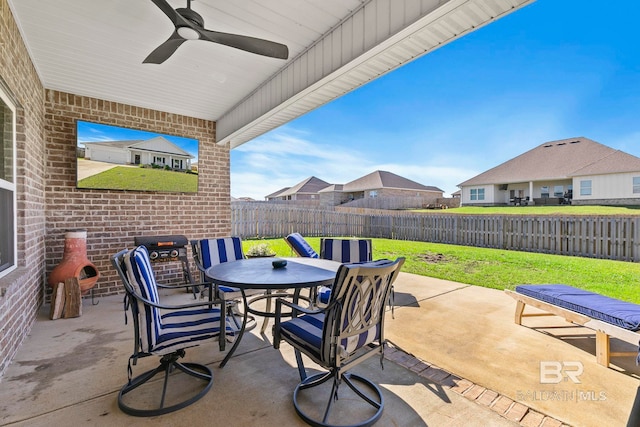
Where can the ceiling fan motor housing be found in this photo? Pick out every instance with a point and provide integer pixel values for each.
(191, 16)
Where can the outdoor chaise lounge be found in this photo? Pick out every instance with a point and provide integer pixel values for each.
(608, 317)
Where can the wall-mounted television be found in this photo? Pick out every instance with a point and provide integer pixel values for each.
(118, 158)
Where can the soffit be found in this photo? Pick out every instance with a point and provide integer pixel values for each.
(96, 49)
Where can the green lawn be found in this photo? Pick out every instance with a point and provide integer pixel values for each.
(499, 269)
(537, 210)
(142, 179)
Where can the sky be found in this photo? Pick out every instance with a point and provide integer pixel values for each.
(96, 132)
(552, 70)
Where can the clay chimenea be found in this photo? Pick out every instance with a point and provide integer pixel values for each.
(75, 262)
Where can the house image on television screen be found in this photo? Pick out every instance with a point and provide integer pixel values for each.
(157, 151)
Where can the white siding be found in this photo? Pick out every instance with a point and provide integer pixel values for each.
(106, 154)
(489, 194)
(537, 187)
(610, 186)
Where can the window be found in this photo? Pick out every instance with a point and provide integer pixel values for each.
(544, 192)
(7, 185)
(373, 193)
(558, 191)
(636, 184)
(477, 194)
(585, 187)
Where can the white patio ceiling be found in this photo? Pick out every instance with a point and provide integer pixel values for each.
(96, 49)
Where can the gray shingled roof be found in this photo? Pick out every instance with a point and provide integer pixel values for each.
(560, 159)
(332, 187)
(278, 193)
(384, 179)
(117, 144)
(140, 143)
(310, 185)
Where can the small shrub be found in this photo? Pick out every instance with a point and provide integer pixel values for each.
(261, 249)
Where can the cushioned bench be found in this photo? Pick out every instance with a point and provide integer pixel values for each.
(608, 317)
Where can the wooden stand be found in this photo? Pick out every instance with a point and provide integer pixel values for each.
(603, 330)
(65, 300)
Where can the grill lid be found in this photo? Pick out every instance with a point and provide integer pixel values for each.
(161, 242)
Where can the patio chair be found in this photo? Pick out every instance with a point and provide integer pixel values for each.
(347, 251)
(345, 333)
(300, 246)
(209, 252)
(163, 330)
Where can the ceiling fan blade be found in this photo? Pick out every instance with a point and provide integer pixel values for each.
(165, 7)
(249, 44)
(165, 50)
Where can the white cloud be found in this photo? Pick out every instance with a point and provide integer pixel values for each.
(282, 159)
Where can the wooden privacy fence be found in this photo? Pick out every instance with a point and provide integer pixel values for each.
(616, 238)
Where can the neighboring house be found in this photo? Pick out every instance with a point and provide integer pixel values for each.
(158, 150)
(375, 184)
(333, 195)
(305, 190)
(387, 184)
(276, 195)
(575, 170)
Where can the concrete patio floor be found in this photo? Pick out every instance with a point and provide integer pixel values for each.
(456, 359)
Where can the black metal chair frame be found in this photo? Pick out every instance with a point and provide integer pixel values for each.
(338, 366)
(168, 362)
(231, 306)
(392, 296)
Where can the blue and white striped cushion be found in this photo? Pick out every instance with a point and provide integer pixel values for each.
(357, 315)
(324, 292)
(184, 328)
(346, 250)
(216, 251)
(324, 295)
(351, 344)
(306, 331)
(140, 276)
(165, 333)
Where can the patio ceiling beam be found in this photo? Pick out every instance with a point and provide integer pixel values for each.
(375, 39)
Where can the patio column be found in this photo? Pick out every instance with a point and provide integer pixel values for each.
(531, 192)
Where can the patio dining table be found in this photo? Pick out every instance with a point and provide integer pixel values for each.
(260, 273)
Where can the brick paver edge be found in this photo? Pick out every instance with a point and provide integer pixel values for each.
(503, 405)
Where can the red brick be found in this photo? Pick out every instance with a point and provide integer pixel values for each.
(435, 374)
(459, 385)
(516, 412)
(487, 397)
(419, 367)
(551, 422)
(474, 392)
(502, 404)
(532, 419)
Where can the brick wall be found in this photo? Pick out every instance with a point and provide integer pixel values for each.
(113, 218)
(21, 290)
(48, 203)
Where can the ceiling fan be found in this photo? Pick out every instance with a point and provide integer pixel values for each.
(189, 25)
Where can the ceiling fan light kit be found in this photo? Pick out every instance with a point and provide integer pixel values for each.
(189, 25)
(188, 33)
